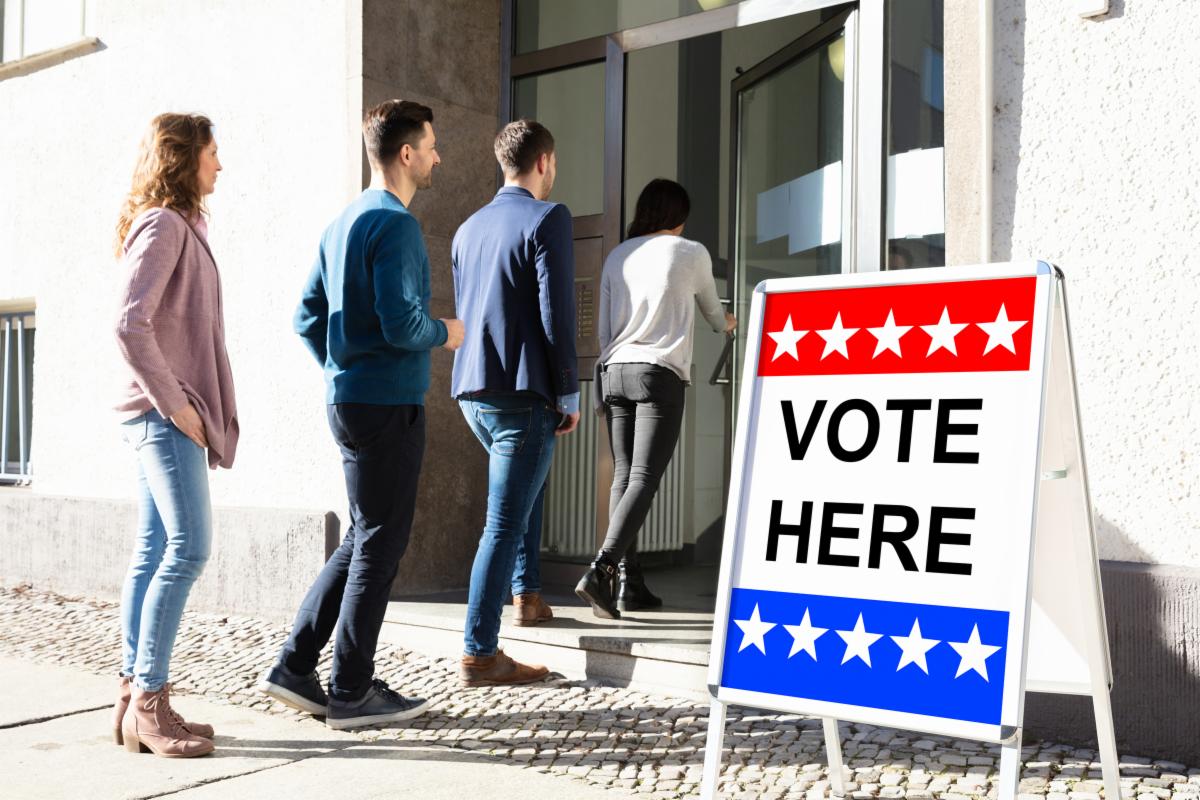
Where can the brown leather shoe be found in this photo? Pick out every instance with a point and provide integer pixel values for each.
(498, 670)
(530, 609)
(152, 726)
(197, 728)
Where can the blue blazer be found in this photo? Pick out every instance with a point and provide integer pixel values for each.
(514, 290)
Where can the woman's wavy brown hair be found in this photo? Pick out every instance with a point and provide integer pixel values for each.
(166, 171)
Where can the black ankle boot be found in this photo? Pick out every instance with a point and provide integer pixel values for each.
(596, 588)
(632, 593)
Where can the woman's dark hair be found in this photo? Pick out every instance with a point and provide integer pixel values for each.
(662, 205)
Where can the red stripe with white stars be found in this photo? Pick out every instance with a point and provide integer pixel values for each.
(961, 326)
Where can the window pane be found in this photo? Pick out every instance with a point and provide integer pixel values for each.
(790, 170)
(50, 24)
(546, 23)
(916, 207)
(570, 103)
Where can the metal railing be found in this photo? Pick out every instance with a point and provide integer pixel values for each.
(16, 393)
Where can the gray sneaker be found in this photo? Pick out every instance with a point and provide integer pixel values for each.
(379, 706)
(301, 692)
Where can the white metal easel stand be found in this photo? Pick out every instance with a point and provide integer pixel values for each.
(715, 745)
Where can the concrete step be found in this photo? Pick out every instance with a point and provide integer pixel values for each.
(664, 651)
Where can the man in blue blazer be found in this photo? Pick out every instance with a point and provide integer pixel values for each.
(515, 378)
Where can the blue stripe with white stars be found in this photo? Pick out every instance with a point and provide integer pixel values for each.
(938, 661)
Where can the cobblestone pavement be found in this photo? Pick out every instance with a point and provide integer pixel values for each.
(635, 743)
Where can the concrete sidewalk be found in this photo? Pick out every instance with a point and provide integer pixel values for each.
(55, 743)
(564, 737)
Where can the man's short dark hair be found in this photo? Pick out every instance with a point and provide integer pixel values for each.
(392, 124)
(519, 144)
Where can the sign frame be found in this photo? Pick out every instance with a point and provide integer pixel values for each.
(1062, 519)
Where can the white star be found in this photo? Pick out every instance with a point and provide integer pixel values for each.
(1001, 331)
(888, 337)
(835, 338)
(785, 340)
(914, 648)
(858, 642)
(804, 637)
(753, 630)
(942, 335)
(973, 654)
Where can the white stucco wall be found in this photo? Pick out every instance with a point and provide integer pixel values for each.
(1094, 142)
(1096, 170)
(273, 76)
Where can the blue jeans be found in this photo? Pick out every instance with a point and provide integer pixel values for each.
(173, 541)
(517, 430)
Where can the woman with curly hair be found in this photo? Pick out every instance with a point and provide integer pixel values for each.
(177, 412)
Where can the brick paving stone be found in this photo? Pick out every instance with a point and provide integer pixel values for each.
(628, 741)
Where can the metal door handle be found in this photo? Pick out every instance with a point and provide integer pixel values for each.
(715, 379)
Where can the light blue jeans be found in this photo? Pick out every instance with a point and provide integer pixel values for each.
(173, 541)
(517, 430)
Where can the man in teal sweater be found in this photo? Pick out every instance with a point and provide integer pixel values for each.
(364, 315)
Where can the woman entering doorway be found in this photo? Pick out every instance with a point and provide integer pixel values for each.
(649, 288)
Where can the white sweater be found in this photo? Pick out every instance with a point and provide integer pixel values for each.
(649, 290)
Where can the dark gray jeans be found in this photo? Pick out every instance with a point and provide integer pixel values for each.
(643, 404)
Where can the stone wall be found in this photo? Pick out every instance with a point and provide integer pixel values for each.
(446, 56)
(261, 564)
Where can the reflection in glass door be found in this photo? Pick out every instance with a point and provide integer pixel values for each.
(789, 115)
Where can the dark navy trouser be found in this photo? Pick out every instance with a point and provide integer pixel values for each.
(382, 448)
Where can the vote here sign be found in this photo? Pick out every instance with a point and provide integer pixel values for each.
(881, 553)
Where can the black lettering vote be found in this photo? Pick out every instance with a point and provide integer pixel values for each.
(799, 442)
(881, 536)
(945, 429)
(907, 408)
(939, 537)
(799, 445)
(835, 427)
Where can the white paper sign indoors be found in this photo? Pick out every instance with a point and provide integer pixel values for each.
(885, 522)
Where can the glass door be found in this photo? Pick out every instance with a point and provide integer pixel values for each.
(791, 186)
(577, 91)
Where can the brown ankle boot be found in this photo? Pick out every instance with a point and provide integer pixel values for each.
(197, 728)
(530, 609)
(498, 670)
(151, 726)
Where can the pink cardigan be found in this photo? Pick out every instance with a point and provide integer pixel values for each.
(171, 330)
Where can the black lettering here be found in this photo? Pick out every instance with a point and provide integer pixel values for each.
(778, 528)
(829, 532)
(881, 536)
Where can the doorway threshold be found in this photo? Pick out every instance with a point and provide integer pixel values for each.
(663, 651)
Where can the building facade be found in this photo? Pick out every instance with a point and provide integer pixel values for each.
(814, 137)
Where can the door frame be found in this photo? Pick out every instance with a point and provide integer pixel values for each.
(862, 149)
(844, 22)
(865, 59)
